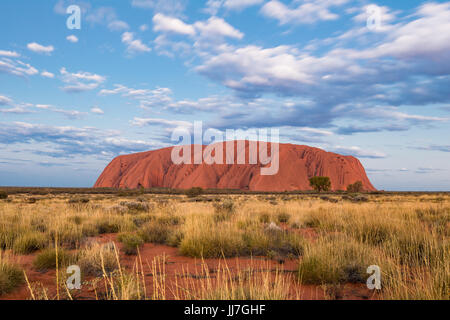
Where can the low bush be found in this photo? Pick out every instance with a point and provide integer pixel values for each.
(155, 232)
(214, 243)
(335, 260)
(3, 195)
(135, 206)
(355, 187)
(30, 242)
(11, 276)
(283, 217)
(272, 242)
(97, 258)
(107, 226)
(264, 218)
(194, 192)
(78, 201)
(46, 259)
(131, 242)
(223, 211)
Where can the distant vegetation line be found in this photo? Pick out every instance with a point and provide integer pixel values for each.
(128, 192)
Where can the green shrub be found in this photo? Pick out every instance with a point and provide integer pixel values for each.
(29, 243)
(223, 211)
(131, 242)
(283, 217)
(46, 259)
(334, 261)
(355, 187)
(155, 232)
(272, 242)
(264, 218)
(175, 238)
(106, 226)
(141, 219)
(320, 183)
(170, 220)
(78, 201)
(215, 246)
(3, 195)
(194, 192)
(135, 206)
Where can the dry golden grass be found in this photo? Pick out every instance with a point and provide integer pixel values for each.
(406, 235)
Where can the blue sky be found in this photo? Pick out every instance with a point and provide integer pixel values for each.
(363, 78)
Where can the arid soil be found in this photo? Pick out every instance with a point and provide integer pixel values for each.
(178, 266)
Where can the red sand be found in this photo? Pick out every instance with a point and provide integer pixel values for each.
(296, 165)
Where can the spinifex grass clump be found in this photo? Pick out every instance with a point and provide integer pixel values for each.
(283, 217)
(11, 275)
(273, 242)
(136, 207)
(97, 258)
(3, 195)
(224, 211)
(48, 258)
(208, 240)
(30, 242)
(245, 283)
(155, 232)
(131, 242)
(335, 259)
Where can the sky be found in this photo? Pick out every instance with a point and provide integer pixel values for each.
(364, 78)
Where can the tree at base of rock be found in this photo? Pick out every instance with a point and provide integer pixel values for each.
(355, 187)
(194, 192)
(320, 183)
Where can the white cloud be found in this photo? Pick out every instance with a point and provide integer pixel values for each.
(118, 25)
(159, 97)
(305, 13)
(215, 27)
(47, 74)
(70, 114)
(9, 54)
(169, 24)
(425, 37)
(17, 67)
(358, 152)
(5, 101)
(141, 122)
(38, 48)
(81, 81)
(67, 141)
(97, 110)
(143, 27)
(282, 65)
(72, 38)
(210, 29)
(134, 45)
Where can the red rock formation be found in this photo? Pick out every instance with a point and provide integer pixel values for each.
(296, 165)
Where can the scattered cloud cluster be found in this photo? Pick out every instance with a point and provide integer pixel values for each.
(80, 81)
(68, 141)
(304, 12)
(324, 91)
(134, 45)
(72, 38)
(38, 48)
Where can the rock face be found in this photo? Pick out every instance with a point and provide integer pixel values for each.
(297, 164)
